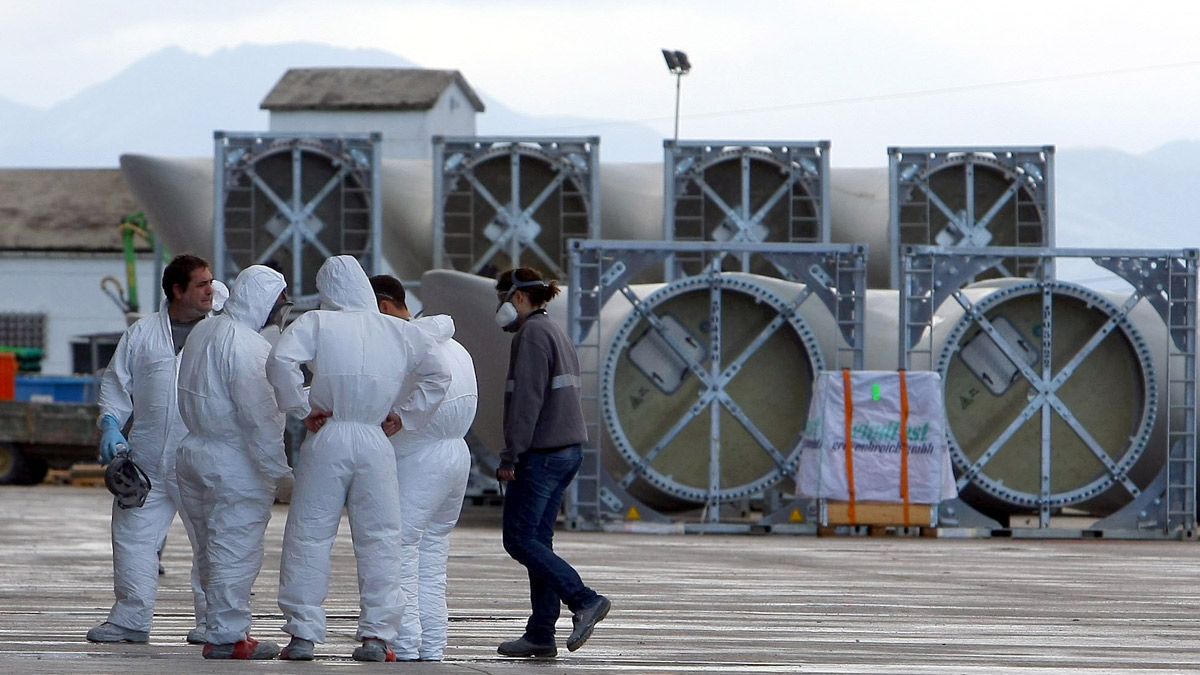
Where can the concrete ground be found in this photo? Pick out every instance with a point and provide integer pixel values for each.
(682, 603)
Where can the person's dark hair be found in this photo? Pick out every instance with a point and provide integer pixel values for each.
(538, 295)
(179, 273)
(388, 287)
(273, 264)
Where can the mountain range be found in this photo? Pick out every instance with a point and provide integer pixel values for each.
(169, 102)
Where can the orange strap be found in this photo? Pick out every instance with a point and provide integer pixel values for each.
(904, 445)
(849, 401)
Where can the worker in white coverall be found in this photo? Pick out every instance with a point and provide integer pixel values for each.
(220, 294)
(359, 360)
(140, 382)
(432, 463)
(232, 458)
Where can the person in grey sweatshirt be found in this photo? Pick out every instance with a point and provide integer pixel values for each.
(543, 432)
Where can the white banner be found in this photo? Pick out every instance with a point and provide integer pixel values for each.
(877, 453)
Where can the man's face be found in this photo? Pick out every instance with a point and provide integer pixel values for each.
(197, 298)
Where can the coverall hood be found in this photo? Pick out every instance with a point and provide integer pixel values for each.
(440, 326)
(253, 295)
(220, 295)
(343, 285)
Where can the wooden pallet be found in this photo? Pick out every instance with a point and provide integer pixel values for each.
(79, 475)
(879, 518)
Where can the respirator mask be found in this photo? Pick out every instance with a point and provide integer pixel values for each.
(279, 313)
(506, 314)
(126, 480)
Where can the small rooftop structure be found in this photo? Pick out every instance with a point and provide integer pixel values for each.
(381, 89)
(68, 210)
(406, 106)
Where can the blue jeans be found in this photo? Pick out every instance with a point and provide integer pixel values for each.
(530, 511)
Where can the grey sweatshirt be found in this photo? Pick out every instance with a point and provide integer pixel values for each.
(542, 407)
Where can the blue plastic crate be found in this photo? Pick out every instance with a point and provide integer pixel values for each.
(57, 388)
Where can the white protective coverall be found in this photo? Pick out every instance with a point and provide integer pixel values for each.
(359, 359)
(140, 381)
(432, 463)
(232, 458)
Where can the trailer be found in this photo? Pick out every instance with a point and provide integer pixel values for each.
(35, 437)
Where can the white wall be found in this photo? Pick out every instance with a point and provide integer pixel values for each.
(406, 135)
(67, 290)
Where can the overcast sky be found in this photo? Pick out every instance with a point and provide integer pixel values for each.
(865, 75)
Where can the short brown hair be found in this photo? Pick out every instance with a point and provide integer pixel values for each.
(538, 295)
(388, 287)
(179, 273)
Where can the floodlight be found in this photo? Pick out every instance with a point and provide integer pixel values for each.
(670, 58)
(684, 64)
(678, 64)
(677, 61)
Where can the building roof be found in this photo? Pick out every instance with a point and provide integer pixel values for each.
(364, 89)
(63, 209)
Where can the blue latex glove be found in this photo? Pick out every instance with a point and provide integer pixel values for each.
(110, 438)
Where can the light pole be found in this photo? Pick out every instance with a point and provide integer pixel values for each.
(678, 64)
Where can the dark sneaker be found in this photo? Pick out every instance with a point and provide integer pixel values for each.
(523, 647)
(111, 632)
(374, 649)
(298, 649)
(195, 636)
(244, 650)
(585, 620)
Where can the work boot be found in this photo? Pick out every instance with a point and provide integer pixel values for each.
(522, 646)
(374, 649)
(111, 632)
(585, 620)
(298, 649)
(244, 650)
(195, 636)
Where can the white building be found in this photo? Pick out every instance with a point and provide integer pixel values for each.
(59, 237)
(407, 105)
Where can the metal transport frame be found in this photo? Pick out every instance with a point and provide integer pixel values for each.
(236, 156)
(1027, 170)
(512, 230)
(803, 165)
(1167, 279)
(834, 275)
